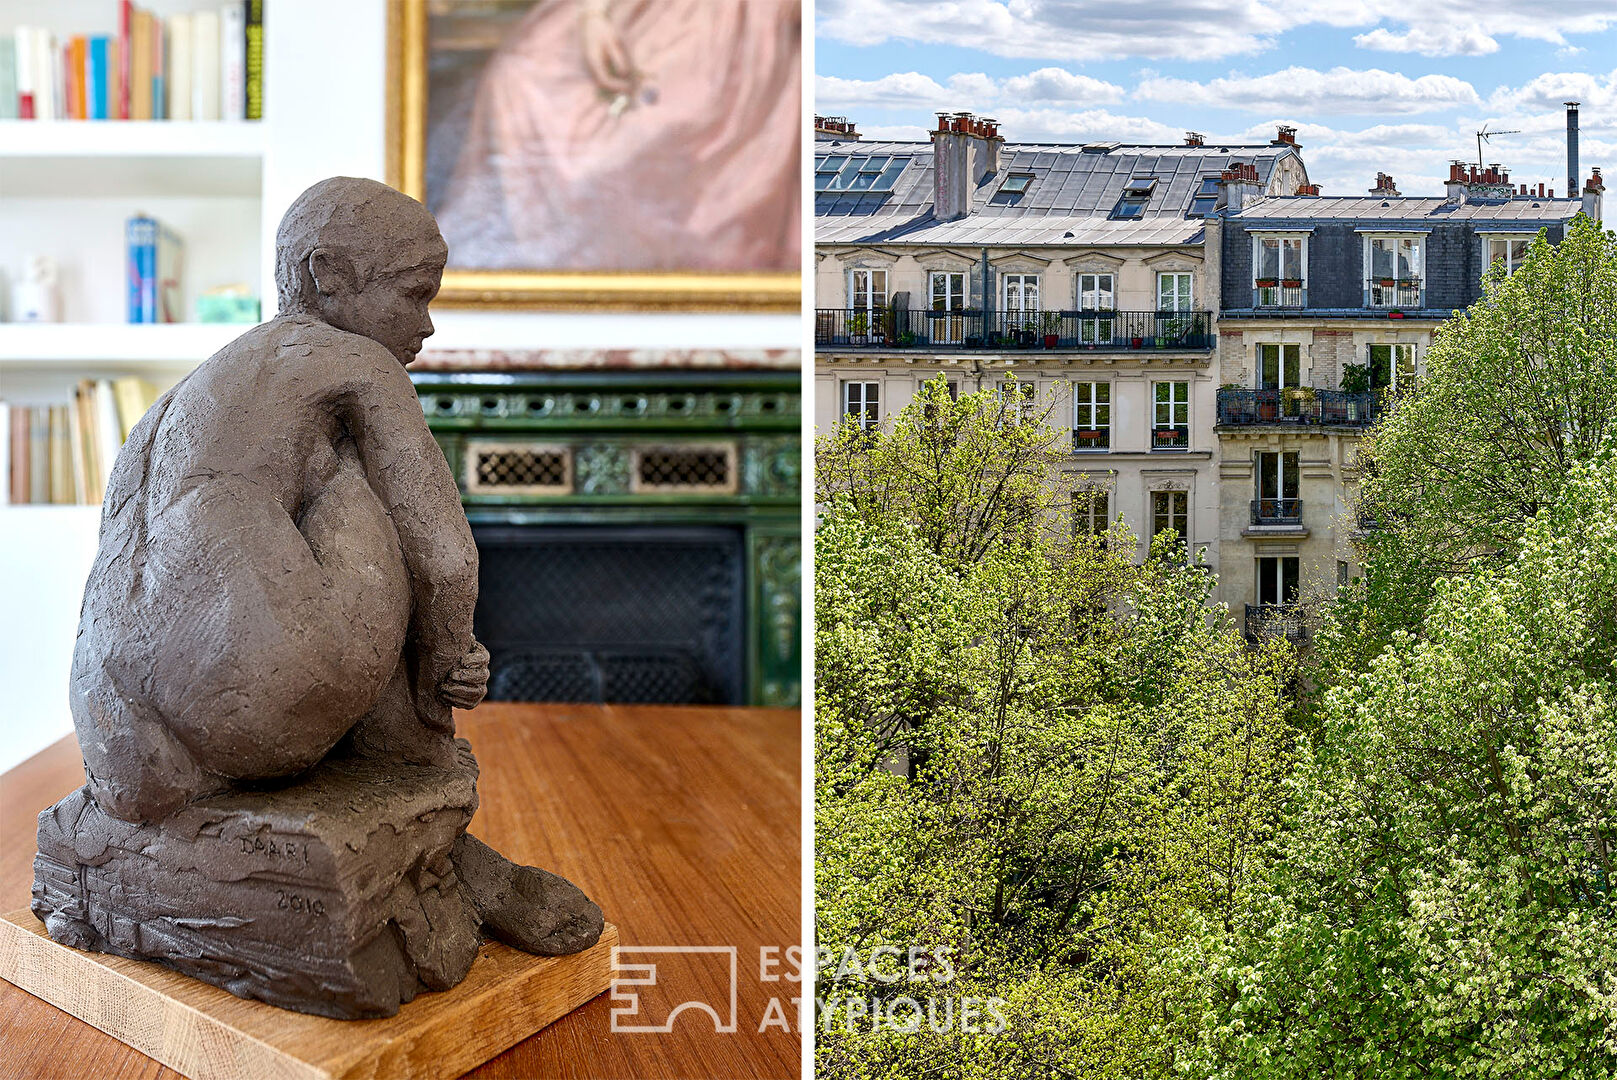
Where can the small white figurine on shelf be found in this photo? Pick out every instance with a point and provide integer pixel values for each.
(35, 297)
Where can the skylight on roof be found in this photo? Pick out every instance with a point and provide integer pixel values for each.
(862, 172)
(1206, 200)
(1140, 187)
(1016, 183)
(1136, 195)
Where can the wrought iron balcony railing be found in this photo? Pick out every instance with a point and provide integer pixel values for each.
(1279, 295)
(1299, 405)
(1275, 620)
(1091, 439)
(1277, 511)
(1170, 438)
(1386, 292)
(890, 328)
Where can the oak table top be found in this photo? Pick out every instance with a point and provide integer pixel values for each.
(682, 822)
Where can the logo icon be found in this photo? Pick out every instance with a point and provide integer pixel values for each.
(699, 965)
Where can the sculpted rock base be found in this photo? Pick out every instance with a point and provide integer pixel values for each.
(336, 895)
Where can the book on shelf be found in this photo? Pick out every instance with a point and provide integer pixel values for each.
(63, 453)
(153, 267)
(203, 65)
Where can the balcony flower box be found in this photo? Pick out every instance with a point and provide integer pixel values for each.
(1266, 409)
(1292, 283)
(1136, 342)
(1266, 282)
(1052, 340)
(1395, 314)
(1386, 283)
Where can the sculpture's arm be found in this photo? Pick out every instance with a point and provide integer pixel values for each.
(377, 403)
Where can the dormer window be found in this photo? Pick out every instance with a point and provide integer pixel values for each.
(1016, 183)
(1206, 197)
(1135, 197)
(1508, 250)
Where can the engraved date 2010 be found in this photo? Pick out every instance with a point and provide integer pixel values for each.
(307, 905)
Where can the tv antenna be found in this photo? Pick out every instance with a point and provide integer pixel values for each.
(1484, 135)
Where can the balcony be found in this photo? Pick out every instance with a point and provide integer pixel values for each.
(1275, 621)
(1000, 331)
(1389, 292)
(1170, 438)
(1091, 439)
(1277, 512)
(1279, 294)
(1299, 405)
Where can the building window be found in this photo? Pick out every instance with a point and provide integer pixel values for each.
(1509, 250)
(1341, 574)
(861, 404)
(1096, 293)
(948, 292)
(1091, 416)
(1019, 399)
(1173, 292)
(867, 290)
(1170, 418)
(1395, 271)
(1091, 512)
(1020, 294)
(1170, 511)
(1279, 270)
(1279, 366)
(1136, 196)
(1275, 501)
(1392, 367)
(1277, 581)
(1206, 199)
(1016, 183)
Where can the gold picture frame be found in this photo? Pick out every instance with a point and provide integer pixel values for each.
(546, 289)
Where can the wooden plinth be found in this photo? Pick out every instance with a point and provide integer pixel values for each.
(207, 1033)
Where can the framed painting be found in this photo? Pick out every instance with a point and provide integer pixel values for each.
(625, 154)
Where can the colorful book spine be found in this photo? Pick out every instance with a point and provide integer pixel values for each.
(255, 59)
(126, 12)
(96, 84)
(76, 57)
(140, 244)
(140, 66)
(159, 70)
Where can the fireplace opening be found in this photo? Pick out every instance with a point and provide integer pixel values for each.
(618, 614)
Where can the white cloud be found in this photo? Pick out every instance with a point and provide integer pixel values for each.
(1339, 90)
(966, 90)
(1075, 32)
(1430, 41)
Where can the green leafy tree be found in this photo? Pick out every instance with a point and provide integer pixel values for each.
(1030, 752)
(1446, 905)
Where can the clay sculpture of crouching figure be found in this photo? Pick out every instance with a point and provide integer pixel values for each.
(275, 630)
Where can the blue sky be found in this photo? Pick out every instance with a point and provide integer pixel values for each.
(1396, 86)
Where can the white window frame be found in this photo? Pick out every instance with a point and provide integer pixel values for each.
(947, 331)
(1271, 296)
(1169, 496)
(1378, 296)
(1087, 409)
(1091, 330)
(1021, 307)
(1489, 239)
(1085, 503)
(1398, 348)
(868, 415)
(1175, 409)
(1281, 347)
(861, 299)
(1190, 291)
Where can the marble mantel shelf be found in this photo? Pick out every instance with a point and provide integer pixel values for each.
(608, 360)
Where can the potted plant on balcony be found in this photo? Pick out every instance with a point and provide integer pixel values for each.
(1267, 406)
(1051, 321)
(1386, 282)
(1266, 282)
(1292, 283)
(1027, 333)
(859, 328)
(1395, 313)
(974, 341)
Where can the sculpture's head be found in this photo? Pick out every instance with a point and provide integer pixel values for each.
(362, 257)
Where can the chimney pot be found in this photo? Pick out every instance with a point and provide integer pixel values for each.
(1193, 138)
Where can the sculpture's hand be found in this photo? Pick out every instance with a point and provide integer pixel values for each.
(605, 57)
(467, 681)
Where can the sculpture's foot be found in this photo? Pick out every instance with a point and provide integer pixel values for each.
(524, 906)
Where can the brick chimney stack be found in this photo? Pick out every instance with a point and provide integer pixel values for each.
(1592, 192)
(965, 151)
(1384, 186)
(1238, 185)
(1194, 138)
(834, 128)
(1285, 135)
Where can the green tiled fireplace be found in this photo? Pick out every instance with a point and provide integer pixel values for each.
(639, 525)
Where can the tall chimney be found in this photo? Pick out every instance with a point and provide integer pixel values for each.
(965, 150)
(1571, 148)
(1384, 186)
(1592, 192)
